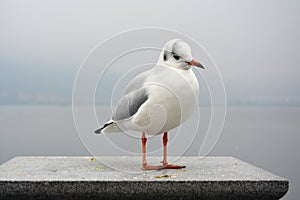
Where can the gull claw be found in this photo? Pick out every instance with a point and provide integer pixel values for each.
(151, 167)
(170, 166)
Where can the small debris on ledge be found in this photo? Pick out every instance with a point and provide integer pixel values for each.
(164, 176)
(93, 159)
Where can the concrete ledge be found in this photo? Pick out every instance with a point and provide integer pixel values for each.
(83, 177)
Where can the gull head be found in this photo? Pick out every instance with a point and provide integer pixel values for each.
(178, 54)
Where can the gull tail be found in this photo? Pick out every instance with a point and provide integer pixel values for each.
(109, 127)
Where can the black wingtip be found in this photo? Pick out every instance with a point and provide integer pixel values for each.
(98, 131)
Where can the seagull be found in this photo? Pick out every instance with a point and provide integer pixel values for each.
(158, 100)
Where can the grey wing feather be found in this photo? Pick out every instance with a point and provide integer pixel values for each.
(134, 96)
(130, 104)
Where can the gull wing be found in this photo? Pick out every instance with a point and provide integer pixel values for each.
(134, 97)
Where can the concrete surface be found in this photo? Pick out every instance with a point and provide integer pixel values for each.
(87, 177)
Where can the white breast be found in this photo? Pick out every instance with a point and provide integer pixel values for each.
(172, 99)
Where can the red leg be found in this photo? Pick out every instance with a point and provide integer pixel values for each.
(165, 163)
(145, 166)
(165, 142)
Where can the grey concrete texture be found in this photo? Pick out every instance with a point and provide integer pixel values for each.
(88, 178)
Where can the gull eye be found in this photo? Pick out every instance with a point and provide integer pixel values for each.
(176, 57)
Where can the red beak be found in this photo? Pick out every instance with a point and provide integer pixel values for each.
(195, 63)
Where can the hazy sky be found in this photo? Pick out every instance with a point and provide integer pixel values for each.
(255, 43)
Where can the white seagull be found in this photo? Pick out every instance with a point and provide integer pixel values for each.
(158, 100)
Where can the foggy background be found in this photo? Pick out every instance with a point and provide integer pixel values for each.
(254, 43)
